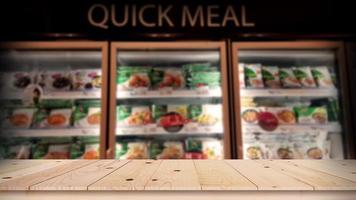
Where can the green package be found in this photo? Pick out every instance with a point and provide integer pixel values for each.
(156, 76)
(156, 148)
(124, 73)
(51, 104)
(194, 111)
(76, 150)
(158, 111)
(39, 118)
(193, 145)
(121, 149)
(123, 112)
(311, 115)
(39, 150)
(210, 79)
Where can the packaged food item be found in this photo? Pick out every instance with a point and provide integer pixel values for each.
(210, 79)
(253, 151)
(76, 150)
(172, 150)
(156, 148)
(288, 78)
(181, 109)
(175, 118)
(134, 115)
(55, 81)
(196, 67)
(250, 115)
(17, 81)
(212, 149)
(284, 151)
(58, 151)
(129, 78)
(206, 114)
(22, 151)
(285, 115)
(86, 79)
(39, 150)
(316, 149)
(322, 77)
(20, 118)
(91, 151)
(193, 145)
(59, 118)
(55, 103)
(120, 150)
(86, 116)
(39, 118)
(267, 121)
(158, 111)
(136, 150)
(253, 73)
(193, 155)
(311, 115)
(270, 76)
(242, 75)
(304, 75)
(167, 78)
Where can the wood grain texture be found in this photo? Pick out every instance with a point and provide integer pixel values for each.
(123, 175)
(319, 180)
(266, 178)
(179, 195)
(31, 169)
(132, 176)
(329, 167)
(217, 175)
(7, 166)
(174, 175)
(79, 179)
(24, 182)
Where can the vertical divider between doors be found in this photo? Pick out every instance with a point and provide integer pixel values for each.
(233, 145)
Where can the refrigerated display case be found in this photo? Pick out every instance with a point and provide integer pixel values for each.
(290, 100)
(168, 100)
(53, 100)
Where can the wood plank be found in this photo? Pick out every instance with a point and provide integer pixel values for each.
(7, 166)
(132, 176)
(218, 175)
(316, 178)
(174, 175)
(350, 163)
(81, 178)
(267, 178)
(179, 195)
(329, 167)
(24, 182)
(31, 169)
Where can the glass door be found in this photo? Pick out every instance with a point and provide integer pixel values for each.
(170, 100)
(53, 100)
(288, 100)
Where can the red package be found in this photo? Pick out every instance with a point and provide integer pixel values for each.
(193, 155)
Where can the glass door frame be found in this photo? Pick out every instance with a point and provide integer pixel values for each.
(188, 45)
(76, 45)
(338, 47)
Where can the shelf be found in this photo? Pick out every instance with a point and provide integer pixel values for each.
(289, 92)
(153, 130)
(73, 95)
(65, 132)
(57, 95)
(331, 127)
(168, 94)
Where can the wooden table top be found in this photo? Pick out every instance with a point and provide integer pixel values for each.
(193, 175)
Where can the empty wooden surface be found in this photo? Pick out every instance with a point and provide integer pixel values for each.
(193, 175)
